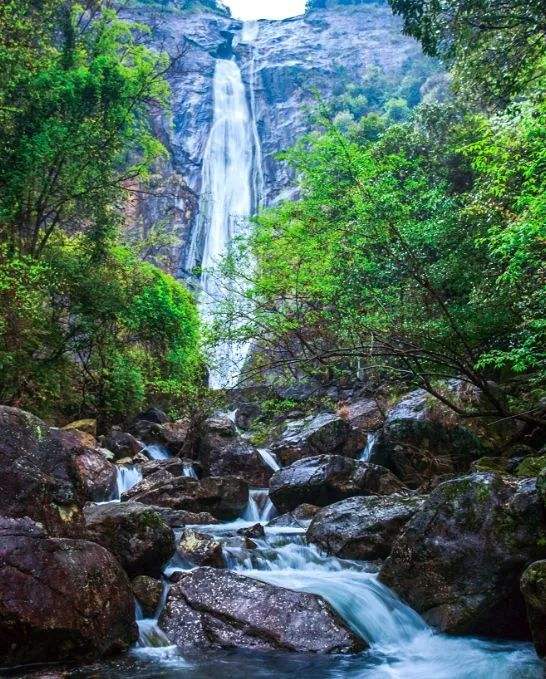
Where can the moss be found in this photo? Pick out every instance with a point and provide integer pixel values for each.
(531, 466)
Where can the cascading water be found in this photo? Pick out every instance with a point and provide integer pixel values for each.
(128, 476)
(232, 185)
(368, 450)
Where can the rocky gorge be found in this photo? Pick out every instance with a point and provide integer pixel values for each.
(327, 529)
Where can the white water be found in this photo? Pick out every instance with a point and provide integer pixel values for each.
(259, 508)
(127, 478)
(189, 470)
(270, 460)
(232, 188)
(155, 451)
(370, 443)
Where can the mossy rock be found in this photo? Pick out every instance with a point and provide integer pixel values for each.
(541, 486)
(491, 464)
(87, 426)
(531, 466)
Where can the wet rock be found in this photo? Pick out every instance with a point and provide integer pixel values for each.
(97, 474)
(325, 433)
(460, 558)
(39, 477)
(86, 426)
(533, 587)
(174, 466)
(137, 536)
(223, 452)
(326, 479)
(421, 439)
(176, 437)
(209, 609)
(200, 549)
(224, 497)
(151, 481)
(299, 518)
(255, 531)
(362, 527)
(178, 518)
(60, 599)
(363, 416)
(123, 445)
(148, 592)
(155, 415)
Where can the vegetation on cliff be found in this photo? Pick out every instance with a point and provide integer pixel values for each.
(416, 247)
(85, 327)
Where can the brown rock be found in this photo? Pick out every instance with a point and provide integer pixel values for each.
(148, 592)
(199, 549)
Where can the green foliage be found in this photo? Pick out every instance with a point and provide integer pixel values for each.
(498, 48)
(85, 326)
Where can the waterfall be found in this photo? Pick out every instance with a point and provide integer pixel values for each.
(232, 186)
(260, 507)
(370, 444)
(127, 477)
(155, 451)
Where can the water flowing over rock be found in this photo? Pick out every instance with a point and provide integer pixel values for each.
(533, 587)
(223, 497)
(459, 560)
(326, 479)
(137, 536)
(148, 593)
(60, 599)
(38, 474)
(362, 527)
(210, 609)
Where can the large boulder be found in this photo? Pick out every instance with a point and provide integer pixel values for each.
(60, 599)
(38, 474)
(225, 497)
(223, 452)
(326, 479)
(323, 434)
(363, 416)
(422, 439)
(362, 527)
(533, 587)
(459, 560)
(137, 536)
(97, 474)
(209, 609)
(123, 445)
(176, 437)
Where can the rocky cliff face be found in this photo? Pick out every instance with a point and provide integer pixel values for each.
(284, 64)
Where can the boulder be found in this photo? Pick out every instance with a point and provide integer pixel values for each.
(531, 466)
(299, 518)
(209, 609)
(176, 437)
(420, 440)
(137, 536)
(174, 466)
(459, 560)
(256, 531)
(533, 587)
(224, 497)
(158, 477)
(97, 474)
(322, 434)
(123, 445)
(60, 599)
(38, 474)
(326, 479)
(148, 592)
(88, 426)
(178, 518)
(223, 452)
(199, 549)
(153, 414)
(362, 527)
(363, 416)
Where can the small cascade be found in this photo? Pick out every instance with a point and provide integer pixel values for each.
(259, 508)
(128, 476)
(155, 451)
(189, 470)
(270, 460)
(370, 444)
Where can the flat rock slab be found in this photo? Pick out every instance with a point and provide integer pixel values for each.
(209, 609)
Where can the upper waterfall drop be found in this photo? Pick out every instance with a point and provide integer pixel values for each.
(230, 193)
